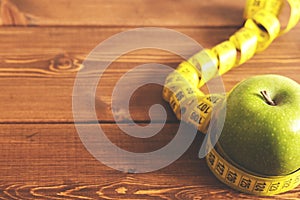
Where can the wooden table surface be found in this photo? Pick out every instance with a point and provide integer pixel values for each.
(41, 154)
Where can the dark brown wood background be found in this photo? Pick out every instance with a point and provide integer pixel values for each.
(41, 155)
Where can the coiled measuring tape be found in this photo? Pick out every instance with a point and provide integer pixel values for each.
(181, 89)
(248, 182)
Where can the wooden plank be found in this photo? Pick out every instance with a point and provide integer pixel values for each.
(48, 161)
(32, 91)
(122, 13)
(36, 47)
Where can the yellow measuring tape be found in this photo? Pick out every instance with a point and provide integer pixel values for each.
(248, 182)
(262, 25)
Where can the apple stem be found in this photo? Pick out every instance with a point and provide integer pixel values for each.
(267, 98)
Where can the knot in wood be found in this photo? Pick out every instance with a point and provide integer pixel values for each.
(64, 63)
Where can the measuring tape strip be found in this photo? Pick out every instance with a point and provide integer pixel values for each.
(245, 42)
(266, 27)
(227, 55)
(206, 63)
(260, 29)
(186, 95)
(198, 113)
(247, 182)
(272, 6)
(294, 16)
(189, 104)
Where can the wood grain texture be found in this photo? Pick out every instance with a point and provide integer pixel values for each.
(49, 162)
(124, 13)
(41, 154)
(43, 62)
(10, 14)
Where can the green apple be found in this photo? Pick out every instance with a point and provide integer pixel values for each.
(261, 132)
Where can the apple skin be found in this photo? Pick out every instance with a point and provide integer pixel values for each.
(259, 137)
